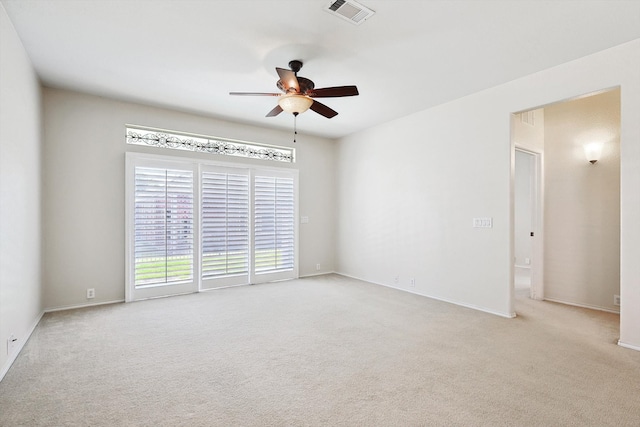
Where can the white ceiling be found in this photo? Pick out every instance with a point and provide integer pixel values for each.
(411, 55)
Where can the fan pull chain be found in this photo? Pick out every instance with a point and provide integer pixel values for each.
(295, 127)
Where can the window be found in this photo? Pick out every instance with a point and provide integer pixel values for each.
(163, 226)
(138, 135)
(225, 228)
(274, 224)
(195, 225)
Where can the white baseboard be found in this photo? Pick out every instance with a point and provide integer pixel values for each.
(21, 344)
(454, 302)
(591, 307)
(71, 307)
(324, 273)
(629, 346)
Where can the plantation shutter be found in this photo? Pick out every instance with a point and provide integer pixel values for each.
(274, 224)
(195, 225)
(163, 226)
(225, 228)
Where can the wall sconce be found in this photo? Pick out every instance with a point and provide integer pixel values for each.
(593, 151)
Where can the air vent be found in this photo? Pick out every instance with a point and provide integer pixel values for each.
(528, 117)
(349, 10)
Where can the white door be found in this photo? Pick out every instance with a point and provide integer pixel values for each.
(161, 230)
(528, 224)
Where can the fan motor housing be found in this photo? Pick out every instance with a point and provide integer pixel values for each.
(305, 84)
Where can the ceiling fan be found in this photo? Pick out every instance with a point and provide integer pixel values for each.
(299, 93)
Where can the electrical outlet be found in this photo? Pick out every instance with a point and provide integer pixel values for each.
(11, 344)
(412, 282)
(91, 293)
(616, 300)
(318, 266)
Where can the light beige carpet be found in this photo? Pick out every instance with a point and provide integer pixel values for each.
(327, 351)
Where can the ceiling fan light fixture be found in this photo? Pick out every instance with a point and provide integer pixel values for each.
(294, 103)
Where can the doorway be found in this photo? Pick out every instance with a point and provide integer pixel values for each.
(581, 247)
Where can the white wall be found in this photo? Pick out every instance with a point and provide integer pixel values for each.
(84, 161)
(408, 189)
(582, 202)
(408, 192)
(20, 135)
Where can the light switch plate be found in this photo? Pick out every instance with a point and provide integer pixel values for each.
(485, 222)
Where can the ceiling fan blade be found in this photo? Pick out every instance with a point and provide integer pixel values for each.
(254, 94)
(288, 79)
(333, 92)
(323, 110)
(277, 110)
